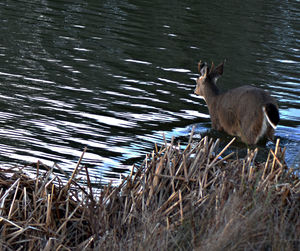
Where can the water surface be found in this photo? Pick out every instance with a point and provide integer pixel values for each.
(115, 75)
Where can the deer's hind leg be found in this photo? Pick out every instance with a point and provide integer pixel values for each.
(251, 129)
(270, 133)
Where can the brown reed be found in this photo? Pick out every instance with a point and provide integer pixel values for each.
(176, 199)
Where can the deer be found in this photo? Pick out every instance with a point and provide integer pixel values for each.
(248, 112)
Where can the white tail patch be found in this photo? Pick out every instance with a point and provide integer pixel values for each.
(263, 127)
(270, 122)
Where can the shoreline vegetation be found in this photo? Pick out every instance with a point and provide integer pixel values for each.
(177, 199)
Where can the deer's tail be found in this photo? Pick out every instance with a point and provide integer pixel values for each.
(272, 114)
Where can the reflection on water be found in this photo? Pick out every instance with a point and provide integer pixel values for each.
(115, 75)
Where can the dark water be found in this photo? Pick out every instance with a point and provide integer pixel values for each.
(115, 75)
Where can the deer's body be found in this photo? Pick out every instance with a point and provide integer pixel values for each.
(247, 112)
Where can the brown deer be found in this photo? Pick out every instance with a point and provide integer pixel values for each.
(248, 112)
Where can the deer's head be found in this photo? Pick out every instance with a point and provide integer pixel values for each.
(206, 82)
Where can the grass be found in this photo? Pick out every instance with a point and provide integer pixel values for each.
(175, 200)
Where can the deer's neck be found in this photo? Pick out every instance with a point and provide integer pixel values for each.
(211, 95)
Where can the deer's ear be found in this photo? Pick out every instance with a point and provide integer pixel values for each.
(219, 69)
(217, 72)
(203, 71)
(202, 68)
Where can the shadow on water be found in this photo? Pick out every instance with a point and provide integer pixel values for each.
(115, 75)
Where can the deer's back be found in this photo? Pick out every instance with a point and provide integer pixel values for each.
(242, 108)
(246, 97)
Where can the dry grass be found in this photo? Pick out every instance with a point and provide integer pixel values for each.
(175, 200)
